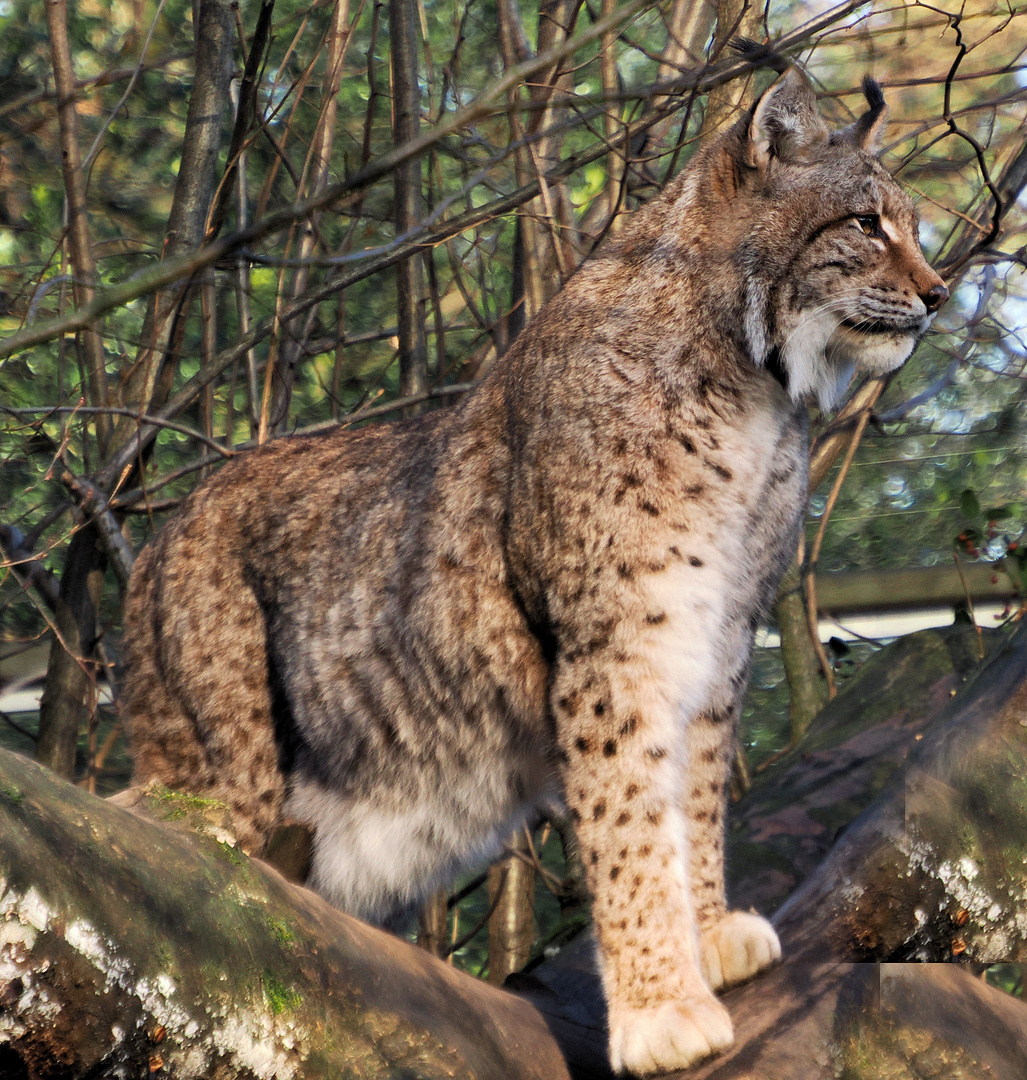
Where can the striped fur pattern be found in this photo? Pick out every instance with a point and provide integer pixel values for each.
(408, 634)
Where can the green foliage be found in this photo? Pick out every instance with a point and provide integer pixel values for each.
(1007, 977)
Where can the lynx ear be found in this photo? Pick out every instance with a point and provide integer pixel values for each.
(867, 132)
(786, 121)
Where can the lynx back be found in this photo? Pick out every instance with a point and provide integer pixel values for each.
(406, 635)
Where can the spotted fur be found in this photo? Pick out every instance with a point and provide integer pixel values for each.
(408, 634)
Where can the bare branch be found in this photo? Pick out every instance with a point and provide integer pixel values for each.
(94, 503)
(75, 199)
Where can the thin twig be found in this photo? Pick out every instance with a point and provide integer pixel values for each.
(969, 604)
(112, 410)
(811, 566)
(481, 923)
(94, 503)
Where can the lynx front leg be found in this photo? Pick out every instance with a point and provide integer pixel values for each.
(733, 945)
(622, 770)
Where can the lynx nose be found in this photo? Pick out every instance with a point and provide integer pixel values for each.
(935, 296)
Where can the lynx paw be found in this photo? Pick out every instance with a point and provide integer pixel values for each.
(736, 948)
(673, 1035)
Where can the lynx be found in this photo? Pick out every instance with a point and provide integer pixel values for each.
(408, 634)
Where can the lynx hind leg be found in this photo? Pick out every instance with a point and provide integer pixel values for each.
(733, 945)
(199, 709)
(163, 741)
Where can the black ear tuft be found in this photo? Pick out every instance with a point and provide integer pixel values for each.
(867, 132)
(755, 52)
(747, 48)
(873, 93)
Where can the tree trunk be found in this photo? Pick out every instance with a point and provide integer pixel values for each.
(512, 922)
(821, 1021)
(807, 691)
(68, 679)
(688, 31)
(82, 260)
(547, 227)
(194, 188)
(315, 178)
(71, 669)
(131, 948)
(432, 922)
(404, 46)
(735, 18)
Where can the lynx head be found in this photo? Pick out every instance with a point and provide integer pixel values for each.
(833, 277)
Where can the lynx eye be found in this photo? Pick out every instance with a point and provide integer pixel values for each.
(869, 223)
